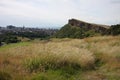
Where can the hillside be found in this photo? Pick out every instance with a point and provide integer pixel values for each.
(89, 26)
(80, 29)
(69, 31)
(95, 58)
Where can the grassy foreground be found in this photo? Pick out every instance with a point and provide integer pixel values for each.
(96, 58)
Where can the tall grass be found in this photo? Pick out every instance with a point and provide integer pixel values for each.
(71, 56)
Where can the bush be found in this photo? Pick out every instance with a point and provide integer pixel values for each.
(115, 29)
(8, 39)
(11, 39)
(90, 33)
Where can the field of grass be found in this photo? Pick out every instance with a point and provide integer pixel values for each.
(95, 58)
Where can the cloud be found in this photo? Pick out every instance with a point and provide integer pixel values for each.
(115, 1)
(57, 12)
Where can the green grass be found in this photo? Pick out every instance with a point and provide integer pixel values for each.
(56, 75)
(12, 45)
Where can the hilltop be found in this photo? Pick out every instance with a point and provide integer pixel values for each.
(81, 29)
(89, 26)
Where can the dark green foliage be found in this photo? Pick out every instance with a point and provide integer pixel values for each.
(0, 43)
(99, 63)
(115, 29)
(5, 76)
(8, 39)
(32, 35)
(90, 33)
(11, 39)
(69, 31)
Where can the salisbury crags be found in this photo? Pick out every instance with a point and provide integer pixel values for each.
(89, 26)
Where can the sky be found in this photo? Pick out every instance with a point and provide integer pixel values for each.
(56, 13)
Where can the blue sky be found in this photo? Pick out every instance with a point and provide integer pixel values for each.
(55, 13)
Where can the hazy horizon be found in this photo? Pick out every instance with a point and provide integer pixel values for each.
(55, 13)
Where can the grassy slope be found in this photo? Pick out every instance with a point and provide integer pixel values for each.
(93, 58)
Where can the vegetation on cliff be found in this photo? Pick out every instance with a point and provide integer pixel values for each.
(69, 31)
(115, 29)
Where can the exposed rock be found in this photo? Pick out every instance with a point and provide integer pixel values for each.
(89, 26)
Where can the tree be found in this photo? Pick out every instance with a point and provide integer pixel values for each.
(115, 29)
(11, 39)
(8, 39)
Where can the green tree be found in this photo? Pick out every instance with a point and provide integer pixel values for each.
(115, 29)
(8, 39)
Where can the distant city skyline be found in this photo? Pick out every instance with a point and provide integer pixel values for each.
(56, 13)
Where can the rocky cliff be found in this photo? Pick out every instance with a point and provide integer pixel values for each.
(89, 26)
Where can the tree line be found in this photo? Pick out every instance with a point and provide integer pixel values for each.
(12, 34)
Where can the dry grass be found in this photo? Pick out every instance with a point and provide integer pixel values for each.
(87, 54)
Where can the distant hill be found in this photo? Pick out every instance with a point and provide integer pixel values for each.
(80, 29)
(89, 26)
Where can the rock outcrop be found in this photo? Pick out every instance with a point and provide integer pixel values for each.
(89, 26)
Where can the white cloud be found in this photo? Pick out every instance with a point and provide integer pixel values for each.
(58, 11)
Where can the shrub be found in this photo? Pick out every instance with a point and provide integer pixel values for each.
(115, 29)
(8, 39)
(11, 39)
(99, 62)
(90, 33)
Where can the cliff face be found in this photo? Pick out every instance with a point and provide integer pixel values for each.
(89, 26)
